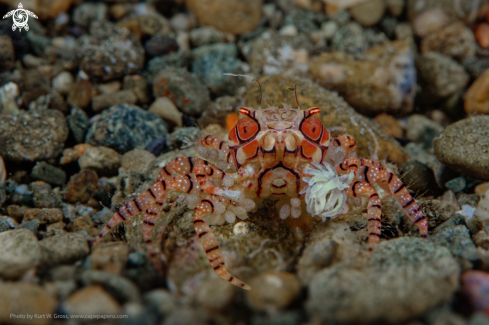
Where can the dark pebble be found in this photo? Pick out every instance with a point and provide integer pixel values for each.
(48, 173)
(457, 184)
(419, 178)
(160, 45)
(125, 127)
(81, 186)
(157, 146)
(78, 123)
(43, 195)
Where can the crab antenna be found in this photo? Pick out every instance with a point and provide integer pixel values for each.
(242, 75)
(260, 90)
(296, 100)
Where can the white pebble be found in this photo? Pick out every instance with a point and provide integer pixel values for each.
(164, 108)
(240, 228)
(63, 82)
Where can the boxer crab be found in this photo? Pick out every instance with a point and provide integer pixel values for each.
(280, 153)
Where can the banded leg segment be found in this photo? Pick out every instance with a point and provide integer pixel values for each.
(154, 198)
(373, 172)
(406, 201)
(149, 223)
(180, 165)
(364, 189)
(347, 142)
(210, 244)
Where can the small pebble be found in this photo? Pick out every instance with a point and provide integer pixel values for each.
(81, 92)
(272, 291)
(91, 300)
(164, 108)
(110, 257)
(32, 225)
(124, 127)
(101, 159)
(46, 215)
(390, 125)
(184, 89)
(419, 178)
(86, 12)
(368, 13)
(21, 135)
(121, 287)
(20, 252)
(213, 296)
(205, 35)
(8, 99)
(48, 173)
(81, 223)
(63, 249)
(63, 83)
(81, 186)
(110, 87)
(104, 101)
(78, 123)
(160, 45)
(439, 76)
(457, 184)
(231, 16)
(463, 146)
(430, 21)
(18, 298)
(137, 259)
(109, 53)
(3, 172)
(44, 196)
(423, 130)
(139, 85)
(139, 161)
(455, 40)
(477, 96)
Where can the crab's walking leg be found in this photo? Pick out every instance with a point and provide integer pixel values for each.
(215, 149)
(364, 189)
(373, 172)
(149, 223)
(347, 142)
(209, 242)
(154, 198)
(180, 165)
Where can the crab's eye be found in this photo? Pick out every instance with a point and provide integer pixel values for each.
(312, 128)
(246, 128)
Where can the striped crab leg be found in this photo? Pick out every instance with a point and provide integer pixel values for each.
(364, 189)
(180, 165)
(209, 241)
(347, 142)
(373, 172)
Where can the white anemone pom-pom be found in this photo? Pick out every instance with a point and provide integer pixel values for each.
(325, 190)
